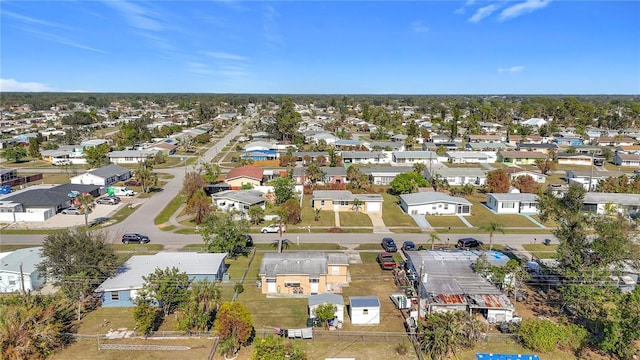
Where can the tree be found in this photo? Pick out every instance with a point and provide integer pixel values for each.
(357, 204)
(275, 348)
(96, 156)
(526, 184)
(281, 244)
(146, 315)
(234, 324)
(34, 148)
(545, 165)
(169, 287)
(144, 173)
(283, 188)
(256, 213)
(419, 168)
(444, 334)
(15, 153)
(192, 183)
(210, 172)
(498, 181)
(197, 313)
(325, 312)
(491, 228)
(438, 182)
(199, 204)
(433, 237)
(287, 121)
(407, 183)
(221, 233)
(77, 260)
(85, 204)
(358, 180)
(314, 173)
(290, 211)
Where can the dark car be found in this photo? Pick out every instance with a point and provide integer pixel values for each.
(135, 238)
(469, 243)
(389, 245)
(132, 183)
(409, 246)
(386, 261)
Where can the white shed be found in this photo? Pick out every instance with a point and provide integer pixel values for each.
(334, 299)
(364, 310)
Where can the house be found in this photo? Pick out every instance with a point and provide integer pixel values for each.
(516, 172)
(166, 147)
(364, 310)
(328, 138)
(121, 289)
(603, 203)
(247, 174)
(349, 144)
(365, 157)
(485, 146)
(574, 159)
(459, 176)
(632, 160)
(238, 200)
(307, 157)
(259, 146)
(615, 141)
(451, 284)
(386, 145)
(132, 156)
(104, 176)
(542, 147)
(343, 200)
(521, 157)
(412, 157)
(536, 122)
(632, 149)
(259, 155)
(8, 175)
(485, 138)
(303, 273)
(384, 175)
(589, 179)
(568, 141)
(93, 143)
(471, 157)
(434, 203)
(332, 175)
(327, 298)
(18, 270)
(401, 138)
(513, 203)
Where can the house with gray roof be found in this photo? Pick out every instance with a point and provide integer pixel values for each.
(412, 157)
(104, 176)
(343, 200)
(348, 144)
(384, 175)
(513, 203)
(434, 203)
(365, 157)
(589, 179)
(332, 175)
(303, 273)
(132, 156)
(459, 176)
(238, 200)
(603, 203)
(121, 289)
(21, 262)
(485, 146)
(471, 157)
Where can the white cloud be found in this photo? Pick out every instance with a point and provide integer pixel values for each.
(33, 21)
(419, 27)
(199, 68)
(7, 85)
(483, 12)
(511, 70)
(270, 26)
(225, 56)
(522, 8)
(136, 15)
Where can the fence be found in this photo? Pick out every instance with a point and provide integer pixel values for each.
(23, 180)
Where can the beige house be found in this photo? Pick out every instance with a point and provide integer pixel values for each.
(342, 200)
(248, 174)
(304, 273)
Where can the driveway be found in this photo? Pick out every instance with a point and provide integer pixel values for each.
(421, 220)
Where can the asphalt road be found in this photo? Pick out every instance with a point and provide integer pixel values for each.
(142, 221)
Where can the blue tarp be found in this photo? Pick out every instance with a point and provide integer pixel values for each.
(507, 357)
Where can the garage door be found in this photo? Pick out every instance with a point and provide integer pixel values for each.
(373, 206)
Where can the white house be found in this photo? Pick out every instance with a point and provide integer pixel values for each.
(602, 203)
(589, 179)
(239, 200)
(327, 298)
(384, 175)
(366, 157)
(434, 203)
(104, 176)
(471, 157)
(513, 203)
(132, 156)
(515, 173)
(364, 310)
(21, 261)
(412, 157)
(460, 176)
(632, 160)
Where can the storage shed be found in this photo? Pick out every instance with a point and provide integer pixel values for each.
(334, 299)
(364, 310)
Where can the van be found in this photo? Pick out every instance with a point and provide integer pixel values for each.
(122, 191)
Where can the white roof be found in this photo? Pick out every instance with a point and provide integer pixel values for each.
(432, 197)
(129, 276)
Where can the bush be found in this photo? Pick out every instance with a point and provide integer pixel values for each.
(544, 335)
(335, 230)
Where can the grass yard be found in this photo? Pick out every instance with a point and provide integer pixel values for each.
(327, 218)
(122, 214)
(116, 318)
(169, 210)
(542, 251)
(404, 230)
(445, 221)
(138, 247)
(320, 350)
(7, 248)
(352, 218)
(53, 178)
(301, 247)
(510, 347)
(481, 216)
(506, 231)
(549, 223)
(87, 349)
(25, 232)
(392, 214)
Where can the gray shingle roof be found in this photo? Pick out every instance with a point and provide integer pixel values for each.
(305, 263)
(415, 155)
(39, 197)
(326, 298)
(514, 196)
(620, 199)
(109, 171)
(364, 301)
(244, 196)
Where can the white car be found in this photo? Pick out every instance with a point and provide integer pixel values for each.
(273, 228)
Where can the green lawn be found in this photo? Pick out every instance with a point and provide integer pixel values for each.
(445, 221)
(7, 248)
(138, 247)
(122, 214)
(392, 214)
(405, 230)
(169, 210)
(352, 218)
(327, 218)
(481, 216)
(301, 247)
(549, 223)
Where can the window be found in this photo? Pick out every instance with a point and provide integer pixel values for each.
(446, 206)
(335, 270)
(508, 205)
(314, 281)
(365, 312)
(272, 280)
(321, 202)
(292, 284)
(115, 296)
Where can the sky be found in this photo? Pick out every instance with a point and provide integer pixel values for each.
(321, 47)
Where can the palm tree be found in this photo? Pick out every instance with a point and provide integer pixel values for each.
(433, 237)
(492, 228)
(281, 244)
(85, 202)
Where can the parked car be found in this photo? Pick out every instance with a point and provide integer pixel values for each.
(135, 238)
(273, 228)
(409, 246)
(469, 243)
(389, 245)
(108, 200)
(386, 261)
(71, 211)
(132, 183)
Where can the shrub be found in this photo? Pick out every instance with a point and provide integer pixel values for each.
(335, 230)
(540, 335)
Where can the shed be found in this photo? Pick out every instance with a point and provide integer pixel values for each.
(334, 299)
(364, 310)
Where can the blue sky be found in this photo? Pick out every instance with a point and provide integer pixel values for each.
(322, 47)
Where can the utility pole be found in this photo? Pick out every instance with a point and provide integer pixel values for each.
(420, 293)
